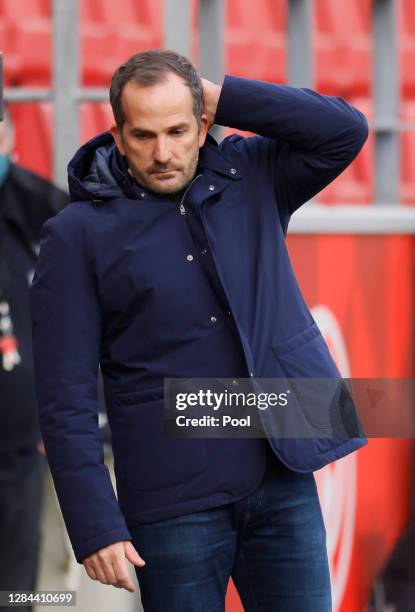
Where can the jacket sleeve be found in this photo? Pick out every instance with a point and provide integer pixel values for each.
(66, 324)
(304, 139)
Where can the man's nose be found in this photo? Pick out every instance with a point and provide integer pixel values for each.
(162, 153)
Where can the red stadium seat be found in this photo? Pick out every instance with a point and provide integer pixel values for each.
(95, 44)
(406, 39)
(112, 31)
(33, 126)
(97, 64)
(11, 58)
(143, 28)
(356, 184)
(343, 47)
(407, 151)
(23, 9)
(34, 45)
(95, 118)
(255, 39)
(29, 40)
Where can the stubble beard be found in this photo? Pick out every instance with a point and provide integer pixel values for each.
(168, 187)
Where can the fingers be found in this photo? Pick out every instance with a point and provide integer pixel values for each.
(122, 575)
(132, 555)
(100, 571)
(90, 570)
(94, 570)
(108, 570)
(109, 565)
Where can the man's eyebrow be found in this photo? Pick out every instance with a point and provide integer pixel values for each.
(177, 126)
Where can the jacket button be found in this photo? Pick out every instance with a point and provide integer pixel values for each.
(228, 312)
(251, 373)
(213, 319)
(142, 194)
(189, 258)
(233, 170)
(211, 187)
(203, 251)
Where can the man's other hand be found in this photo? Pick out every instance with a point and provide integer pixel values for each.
(211, 93)
(109, 566)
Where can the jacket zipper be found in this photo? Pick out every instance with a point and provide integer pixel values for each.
(181, 205)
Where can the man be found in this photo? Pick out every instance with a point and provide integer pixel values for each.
(170, 262)
(26, 202)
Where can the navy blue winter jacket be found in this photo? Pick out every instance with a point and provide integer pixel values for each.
(114, 286)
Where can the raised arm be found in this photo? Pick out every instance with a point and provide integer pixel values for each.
(305, 139)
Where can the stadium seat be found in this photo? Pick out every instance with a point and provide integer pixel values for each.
(255, 39)
(95, 118)
(29, 42)
(11, 58)
(105, 44)
(97, 65)
(33, 125)
(24, 9)
(343, 47)
(407, 151)
(96, 48)
(143, 28)
(34, 45)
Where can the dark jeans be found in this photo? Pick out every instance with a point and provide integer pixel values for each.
(272, 543)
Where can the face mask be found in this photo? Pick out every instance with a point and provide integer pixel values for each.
(4, 167)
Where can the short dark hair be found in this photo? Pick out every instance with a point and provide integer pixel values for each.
(150, 68)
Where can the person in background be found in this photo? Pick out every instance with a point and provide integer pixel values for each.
(26, 202)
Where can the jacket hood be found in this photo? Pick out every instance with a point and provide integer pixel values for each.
(99, 171)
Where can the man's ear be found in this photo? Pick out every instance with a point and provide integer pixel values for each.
(118, 138)
(203, 130)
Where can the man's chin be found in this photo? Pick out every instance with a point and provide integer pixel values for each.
(166, 186)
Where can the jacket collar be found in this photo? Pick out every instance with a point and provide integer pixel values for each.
(210, 157)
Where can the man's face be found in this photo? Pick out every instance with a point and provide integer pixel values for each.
(160, 137)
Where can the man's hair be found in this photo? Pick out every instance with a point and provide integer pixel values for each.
(151, 68)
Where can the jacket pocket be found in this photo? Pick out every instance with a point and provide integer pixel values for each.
(144, 457)
(306, 356)
(325, 402)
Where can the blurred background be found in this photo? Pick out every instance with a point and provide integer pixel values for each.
(352, 247)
